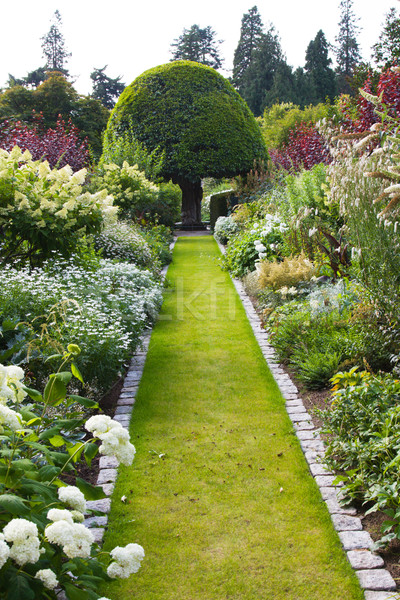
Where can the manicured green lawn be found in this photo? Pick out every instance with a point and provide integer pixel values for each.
(219, 494)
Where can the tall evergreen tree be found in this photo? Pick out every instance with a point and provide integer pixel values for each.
(322, 77)
(198, 44)
(106, 89)
(53, 46)
(261, 72)
(387, 50)
(283, 87)
(251, 37)
(347, 51)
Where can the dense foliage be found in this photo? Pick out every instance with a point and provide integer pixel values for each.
(196, 118)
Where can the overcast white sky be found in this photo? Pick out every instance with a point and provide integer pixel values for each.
(131, 37)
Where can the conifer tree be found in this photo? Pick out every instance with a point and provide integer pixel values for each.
(53, 46)
(251, 37)
(347, 51)
(387, 50)
(322, 77)
(261, 72)
(199, 45)
(106, 89)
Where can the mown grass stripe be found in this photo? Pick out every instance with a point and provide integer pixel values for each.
(219, 494)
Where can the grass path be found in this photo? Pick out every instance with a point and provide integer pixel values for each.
(219, 493)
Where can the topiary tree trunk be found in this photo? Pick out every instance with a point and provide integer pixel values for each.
(192, 193)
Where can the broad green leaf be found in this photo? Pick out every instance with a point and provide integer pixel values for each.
(34, 394)
(19, 589)
(90, 491)
(13, 504)
(57, 441)
(90, 452)
(49, 433)
(75, 451)
(76, 372)
(48, 472)
(86, 402)
(74, 593)
(55, 390)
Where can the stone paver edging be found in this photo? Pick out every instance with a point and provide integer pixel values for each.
(376, 581)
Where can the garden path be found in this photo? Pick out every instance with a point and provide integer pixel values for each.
(219, 494)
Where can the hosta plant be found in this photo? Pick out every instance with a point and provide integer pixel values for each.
(45, 547)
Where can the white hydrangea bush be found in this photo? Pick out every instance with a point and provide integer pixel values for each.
(45, 547)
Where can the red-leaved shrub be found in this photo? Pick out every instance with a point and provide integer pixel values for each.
(60, 146)
(304, 149)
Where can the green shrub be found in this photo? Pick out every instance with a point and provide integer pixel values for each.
(316, 369)
(104, 309)
(279, 119)
(363, 424)
(196, 119)
(219, 206)
(45, 547)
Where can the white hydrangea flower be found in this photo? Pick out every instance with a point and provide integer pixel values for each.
(48, 578)
(59, 514)
(72, 496)
(19, 530)
(59, 532)
(25, 542)
(98, 424)
(10, 418)
(76, 539)
(127, 560)
(4, 553)
(115, 439)
(26, 552)
(81, 544)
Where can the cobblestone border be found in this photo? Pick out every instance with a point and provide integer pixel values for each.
(108, 465)
(376, 581)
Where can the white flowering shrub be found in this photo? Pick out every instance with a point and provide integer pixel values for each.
(45, 546)
(224, 228)
(123, 241)
(261, 239)
(44, 209)
(104, 310)
(130, 188)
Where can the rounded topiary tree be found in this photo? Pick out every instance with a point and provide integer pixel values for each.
(197, 119)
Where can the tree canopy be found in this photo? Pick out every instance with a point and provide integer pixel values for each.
(106, 89)
(197, 119)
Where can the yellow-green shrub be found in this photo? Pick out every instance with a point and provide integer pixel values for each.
(291, 271)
